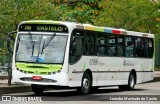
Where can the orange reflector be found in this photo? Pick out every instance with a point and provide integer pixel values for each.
(36, 77)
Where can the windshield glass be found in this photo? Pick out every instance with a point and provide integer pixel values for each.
(41, 48)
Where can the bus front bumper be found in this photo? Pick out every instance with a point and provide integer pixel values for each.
(58, 79)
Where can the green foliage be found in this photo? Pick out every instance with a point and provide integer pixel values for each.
(80, 13)
(2, 51)
(15, 11)
(137, 15)
(2, 59)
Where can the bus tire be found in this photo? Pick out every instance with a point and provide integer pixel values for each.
(131, 83)
(37, 89)
(85, 84)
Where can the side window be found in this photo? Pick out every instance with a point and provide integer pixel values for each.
(129, 46)
(90, 44)
(139, 47)
(101, 44)
(148, 49)
(120, 46)
(76, 46)
(112, 51)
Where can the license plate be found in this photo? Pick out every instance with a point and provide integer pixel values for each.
(37, 78)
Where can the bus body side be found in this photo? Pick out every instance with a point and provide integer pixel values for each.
(112, 70)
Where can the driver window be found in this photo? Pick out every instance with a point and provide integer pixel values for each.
(76, 46)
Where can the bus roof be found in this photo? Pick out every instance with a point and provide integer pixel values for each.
(91, 27)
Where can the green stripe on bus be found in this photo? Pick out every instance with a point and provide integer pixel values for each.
(99, 29)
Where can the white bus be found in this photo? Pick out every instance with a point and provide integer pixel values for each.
(82, 56)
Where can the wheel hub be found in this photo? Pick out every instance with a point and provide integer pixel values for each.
(132, 81)
(85, 84)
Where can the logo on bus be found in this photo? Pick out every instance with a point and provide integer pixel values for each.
(93, 62)
(128, 63)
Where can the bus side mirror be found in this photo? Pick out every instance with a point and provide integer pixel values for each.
(9, 38)
(11, 35)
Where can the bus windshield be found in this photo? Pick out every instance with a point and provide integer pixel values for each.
(41, 48)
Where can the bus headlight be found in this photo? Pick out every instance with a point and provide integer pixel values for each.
(21, 70)
(54, 72)
(49, 73)
(17, 69)
(59, 71)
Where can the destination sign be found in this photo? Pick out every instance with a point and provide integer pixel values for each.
(43, 28)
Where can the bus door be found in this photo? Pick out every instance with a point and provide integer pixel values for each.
(75, 57)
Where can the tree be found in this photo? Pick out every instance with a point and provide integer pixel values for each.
(137, 15)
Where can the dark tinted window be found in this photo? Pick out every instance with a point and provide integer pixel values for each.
(129, 46)
(101, 44)
(120, 45)
(76, 46)
(90, 44)
(148, 49)
(112, 45)
(139, 47)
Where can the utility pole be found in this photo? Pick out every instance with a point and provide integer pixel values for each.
(9, 38)
(9, 61)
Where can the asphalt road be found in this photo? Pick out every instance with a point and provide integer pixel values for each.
(148, 90)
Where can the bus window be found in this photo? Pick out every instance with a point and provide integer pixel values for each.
(89, 45)
(76, 46)
(101, 46)
(139, 47)
(148, 49)
(129, 47)
(120, 41)
(76, 49)
(112, 45)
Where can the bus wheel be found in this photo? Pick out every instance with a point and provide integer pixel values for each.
(131, 83)
(37, 89)
(85, 84)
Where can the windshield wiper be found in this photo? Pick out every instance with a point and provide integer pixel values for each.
(47, 43)
(32, 43)
(50, 39)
